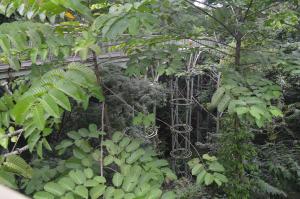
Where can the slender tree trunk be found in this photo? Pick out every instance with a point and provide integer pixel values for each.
(238, 50)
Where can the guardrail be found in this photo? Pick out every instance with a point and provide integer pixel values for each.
(118, 58)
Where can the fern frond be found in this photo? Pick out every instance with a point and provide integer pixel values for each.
(18, 165)
(87, 72)
(51, 94)
(269, 189)
(36, 91)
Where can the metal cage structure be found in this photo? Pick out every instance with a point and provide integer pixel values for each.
(181, 112)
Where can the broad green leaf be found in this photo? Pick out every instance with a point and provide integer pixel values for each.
(70, 90)
(169, 195)
(224, 103)
(108, 160)
(142, 189)
(82, 191)
(91, 183)
(64, 144)
(129, 196)
(46, 144)
(221, 177)
(33, 139)
(38, 117)
(216, 166)
(117, 179)
(3, 139)
(33, 55)
(209, 158)
(18, 165)
(154, 194)
(67, 183)
(88, 172)
(135, 156)
(109, 192)
(208, 179)
(54, 189)
(200, 177)
(77, 176)
(19, 112)
(8, 179)
(124, 142)
(69, 195)
(135, 144)
(219, 183)
(169, 173)
(158, 163)
(40, 149)
(133, 26)
(111, 147)
(217, 96)
(129, 183)
(276, 111)
(97, 191)
(50, 106)
(118, 194)
(61, 99)
(100, 179)
(197, 169)
(84, 145)
(241, 110)
(87, 162)
(74, 135)
(193, 162)
(43, 195)
(117, 136)
(256, 112)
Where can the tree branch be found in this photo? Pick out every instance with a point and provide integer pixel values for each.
(210, 47)
(247, 11)
(211, 16)
(17, 151)
(6, 88)
(12, 134)
(264, 9)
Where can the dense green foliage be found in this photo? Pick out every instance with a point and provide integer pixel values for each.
(252, 47)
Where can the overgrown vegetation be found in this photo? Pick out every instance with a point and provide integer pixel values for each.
(77, 125)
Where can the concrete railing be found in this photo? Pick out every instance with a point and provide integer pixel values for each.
(7, 193)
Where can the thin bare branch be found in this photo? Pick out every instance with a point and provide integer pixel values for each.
(17, 151)
(12, 134)
(248, 9)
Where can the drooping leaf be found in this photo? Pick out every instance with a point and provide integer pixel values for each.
(78, 176)
(117, 179)
(200, 177)
(19, 112)
(208, 179)
(82, 191)
(8, 179)
(88, 172)
(50, 106)
(3, 139)
(97, 191)
(216, 166)
(197, 169)
(38, 117)
(169, 195)
(67, 183)
(43, 195)
(61, 99)
(54, 189)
